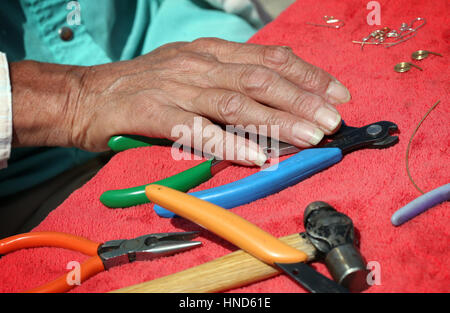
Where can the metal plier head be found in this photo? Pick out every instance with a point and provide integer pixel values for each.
(147, 247)
(376, 135)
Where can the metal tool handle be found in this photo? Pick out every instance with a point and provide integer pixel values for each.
(125, 142)
(268, 181)
(88, 268)
(48, 239)
(183, 181)
(230, 271)
(226, 224)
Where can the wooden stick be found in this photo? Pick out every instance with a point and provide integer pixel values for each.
(230, 271)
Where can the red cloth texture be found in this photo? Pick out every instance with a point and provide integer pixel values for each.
(368, 185)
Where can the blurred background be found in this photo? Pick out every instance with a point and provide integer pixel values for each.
(275, 7)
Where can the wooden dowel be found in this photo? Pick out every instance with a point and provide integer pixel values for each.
(230, 271)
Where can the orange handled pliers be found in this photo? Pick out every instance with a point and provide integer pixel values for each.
(245, 235)
(103, 255)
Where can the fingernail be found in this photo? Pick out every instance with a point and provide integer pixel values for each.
(307, 133)
(254, 155)
(327, 118)
(260, 159)
(337, 92)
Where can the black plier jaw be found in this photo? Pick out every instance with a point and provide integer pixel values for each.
(376, 135)
(147, 247)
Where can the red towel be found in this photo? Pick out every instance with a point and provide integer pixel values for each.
(368, 185)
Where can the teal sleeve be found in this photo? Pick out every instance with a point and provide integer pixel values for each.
(110, 30)
(187, 20)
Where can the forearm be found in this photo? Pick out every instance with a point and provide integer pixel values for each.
(42, 102)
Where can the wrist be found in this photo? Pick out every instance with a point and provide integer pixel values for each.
(43, 102)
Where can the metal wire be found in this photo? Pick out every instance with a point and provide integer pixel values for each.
(409, 146)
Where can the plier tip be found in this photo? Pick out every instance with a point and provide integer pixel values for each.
(147, 247)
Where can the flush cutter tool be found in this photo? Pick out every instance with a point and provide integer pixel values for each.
(103, 255)
(296, 168)
(244, 235)
(183, 181)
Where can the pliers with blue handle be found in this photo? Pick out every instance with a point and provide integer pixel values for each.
(183, 181)
(296, 168)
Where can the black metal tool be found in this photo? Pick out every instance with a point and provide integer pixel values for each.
(333, 235)
(311, 279)
(377, 135)
(147, 247)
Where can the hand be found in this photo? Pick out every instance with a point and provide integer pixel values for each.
(223, 82)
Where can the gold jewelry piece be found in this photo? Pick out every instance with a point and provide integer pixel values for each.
(404, 67)
(422, 54)
(391, 37)
(330, 21)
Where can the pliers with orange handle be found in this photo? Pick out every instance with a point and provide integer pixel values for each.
(103, 255)
(244, 235)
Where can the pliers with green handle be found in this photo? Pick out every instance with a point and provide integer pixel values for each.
(184, 181)
(122, 143)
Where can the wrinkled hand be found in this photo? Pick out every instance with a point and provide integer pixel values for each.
(223, 82)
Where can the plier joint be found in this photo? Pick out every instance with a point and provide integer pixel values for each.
(376, 135)
(144, 248)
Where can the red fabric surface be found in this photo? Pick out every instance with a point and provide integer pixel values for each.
(368, 185)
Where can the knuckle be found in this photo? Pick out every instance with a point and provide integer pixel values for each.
(276, 55)
(205, 42)
(196, 62)
(306, 105)
(230, 106)
(280, 121)
(172, 46)
(313, 79)
(185, 61)
(257, 79)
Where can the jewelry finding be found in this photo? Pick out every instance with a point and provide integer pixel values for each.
(404, 67)
(422, 54)
(391, 37)
(330, 22)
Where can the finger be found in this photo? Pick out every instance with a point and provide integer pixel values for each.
(232, 108)
(268, 87)
(280, 59)
(257, 82)
(189, 130)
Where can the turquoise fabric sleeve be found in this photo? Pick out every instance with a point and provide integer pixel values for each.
(187, 20)
(110, 30)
